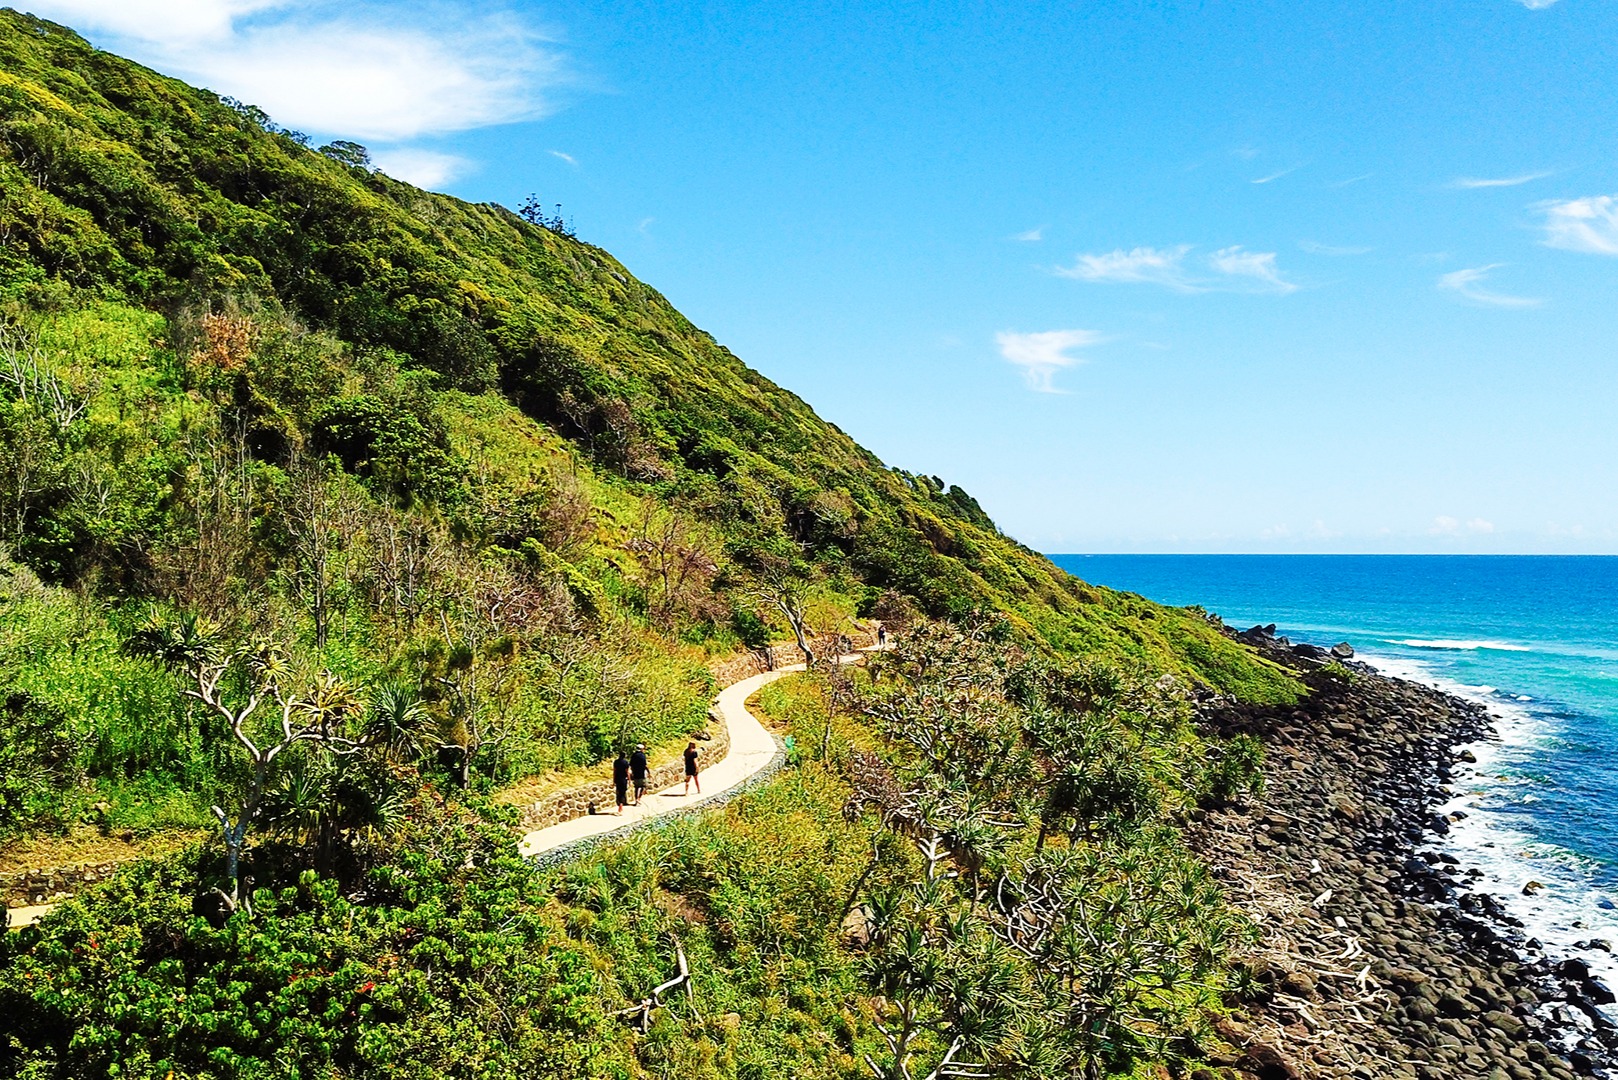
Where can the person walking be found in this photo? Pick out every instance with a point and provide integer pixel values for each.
(637, 770)
(881, 637)
(620, 780)
(691, 768)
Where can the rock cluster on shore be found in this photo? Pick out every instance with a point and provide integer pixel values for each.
(1378, 961)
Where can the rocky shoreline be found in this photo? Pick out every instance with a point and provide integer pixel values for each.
(1377, 958)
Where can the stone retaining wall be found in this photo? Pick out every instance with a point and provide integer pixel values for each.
(561, 806)
(49, 885)
(733, 669)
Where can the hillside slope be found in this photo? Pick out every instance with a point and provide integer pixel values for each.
(337, 517)
(136, 189)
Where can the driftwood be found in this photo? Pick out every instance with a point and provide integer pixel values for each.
(639, 1015)
(1298, 932)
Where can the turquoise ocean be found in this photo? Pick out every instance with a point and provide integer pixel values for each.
(1535, 639)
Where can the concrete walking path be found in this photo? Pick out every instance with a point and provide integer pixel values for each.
(28, 914)
(751, 749)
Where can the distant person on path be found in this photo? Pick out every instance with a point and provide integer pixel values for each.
(881, 637)
(620, 780)
(691, 768)
(637, 770)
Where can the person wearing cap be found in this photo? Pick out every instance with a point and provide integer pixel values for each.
(637, 770)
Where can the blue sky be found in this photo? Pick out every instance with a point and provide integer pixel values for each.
(1141, 276)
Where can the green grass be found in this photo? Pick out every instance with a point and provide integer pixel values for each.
(422, 443)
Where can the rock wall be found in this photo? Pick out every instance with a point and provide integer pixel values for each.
(575, 802)
(733, 669)
(47, 886)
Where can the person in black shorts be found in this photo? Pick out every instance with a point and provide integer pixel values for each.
(620, 780)
(637, 771)
(691, 768)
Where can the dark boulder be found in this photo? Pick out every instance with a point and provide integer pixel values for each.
(1342, 651)
(1573, 968)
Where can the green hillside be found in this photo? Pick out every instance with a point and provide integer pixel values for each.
(138, 191)
(456, 484)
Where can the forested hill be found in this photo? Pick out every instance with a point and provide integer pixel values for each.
(330, 308)
(338, 519)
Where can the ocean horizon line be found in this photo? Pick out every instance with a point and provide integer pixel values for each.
(1330, 554)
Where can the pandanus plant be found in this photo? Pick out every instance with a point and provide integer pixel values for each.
(246, 688)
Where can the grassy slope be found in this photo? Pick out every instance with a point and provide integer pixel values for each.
(517, 369)
(122, 183)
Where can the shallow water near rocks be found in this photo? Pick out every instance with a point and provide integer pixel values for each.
(1533, 638)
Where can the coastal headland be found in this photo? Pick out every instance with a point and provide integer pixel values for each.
(1378, 959)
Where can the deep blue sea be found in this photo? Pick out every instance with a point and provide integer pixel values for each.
(1534, 638)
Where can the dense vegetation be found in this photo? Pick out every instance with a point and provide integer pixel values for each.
(458, 494)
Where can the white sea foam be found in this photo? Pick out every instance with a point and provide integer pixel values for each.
(1572, 907)
(1460, 645)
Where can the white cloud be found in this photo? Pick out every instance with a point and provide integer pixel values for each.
(383, 72)
(1469, 283)
(1536, 5)
(1589, 224)
(1315, 248)
(1032, 236)
(1444, 525)
(1232, 269)
(1500, 181)
(569, 158)
(1257, 265)
(1142, 265)
(1041, 355)
(1353, 180)
(423, 168)
(175, 22)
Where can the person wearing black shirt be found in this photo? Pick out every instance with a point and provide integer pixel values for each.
(620, 780)
(637, 771)
(691, 768)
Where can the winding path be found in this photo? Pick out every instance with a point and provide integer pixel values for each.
(751, 750)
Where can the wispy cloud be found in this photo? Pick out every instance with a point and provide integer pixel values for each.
(1589, 224)
(1353, 180)
(369, 71)
(569, 158)
(1470, 182)
(1274, 176)
(1316, 248)
(1032, 236)
(1142, 265)
(424, 168)
(1469, 284)
(1041, 355)
(1536, 5)
(1231, 269)
(1259, 266)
